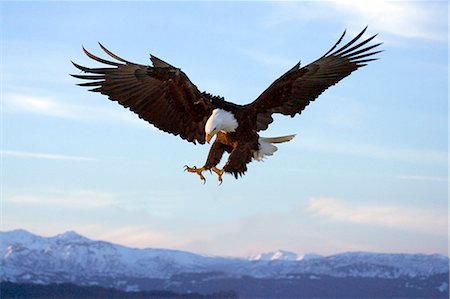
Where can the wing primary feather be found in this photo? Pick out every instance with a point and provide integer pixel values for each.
(354, 55)
(357, 58)
(336, 44)
(93, 83)
(88, 77)
(337, 52)
(80, 67)
(93, 71)
(113, 55)
(98, 89)
(358, 46)
(92, 56)
(363, 61)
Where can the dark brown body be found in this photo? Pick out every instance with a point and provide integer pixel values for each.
(240, 144)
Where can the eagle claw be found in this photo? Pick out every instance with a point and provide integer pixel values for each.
(196, 170)
(219, 173)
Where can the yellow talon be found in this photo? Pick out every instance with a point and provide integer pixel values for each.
(196, 170)
(219, 173)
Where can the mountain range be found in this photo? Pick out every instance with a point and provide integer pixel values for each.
(72, 258)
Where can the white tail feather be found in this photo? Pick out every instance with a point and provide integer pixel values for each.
(266, 147)
(280, 139)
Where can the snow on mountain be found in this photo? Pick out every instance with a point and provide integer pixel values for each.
(70, 257)
(73, 255)
(310, 256)
(276, 255)
(282, 255)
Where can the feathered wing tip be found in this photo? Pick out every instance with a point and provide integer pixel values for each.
(337, 43)
(92, 56)
(101, 60)
(113, 55)
(155, 61)
(98, 73)
(354, 52)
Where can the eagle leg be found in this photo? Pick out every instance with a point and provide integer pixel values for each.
(196, 170)
(219, 173)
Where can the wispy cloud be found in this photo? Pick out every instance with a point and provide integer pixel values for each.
(49, 106)
(139, 236)
(76, 198)
(380, 215)
(46, 156)
(40, 105)
(406, 19)
(323, 224)
(377, 151)
(401, 18)
(441, 179)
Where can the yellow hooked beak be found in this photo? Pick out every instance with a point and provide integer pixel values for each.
(208, 137)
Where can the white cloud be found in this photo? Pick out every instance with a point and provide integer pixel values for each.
(42, 105)
(294, 229)
(326, 226)
(400, 18)
(376, 151)
(406, 19)
(49, 106)
(46, 156)
(138, 236)
(408, 218)
(64, 198)
(424, 178)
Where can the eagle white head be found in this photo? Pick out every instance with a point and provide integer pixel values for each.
(220, 120)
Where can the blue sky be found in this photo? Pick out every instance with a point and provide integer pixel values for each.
(367, 170)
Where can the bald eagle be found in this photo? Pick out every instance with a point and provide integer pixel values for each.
(164, 96)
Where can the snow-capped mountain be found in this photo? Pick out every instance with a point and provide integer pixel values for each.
(283, 255)
(70, 257)
(276, 255)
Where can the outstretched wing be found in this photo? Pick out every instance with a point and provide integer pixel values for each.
(160, 94)
(293, 91)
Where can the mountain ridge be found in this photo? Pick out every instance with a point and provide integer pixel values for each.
(73, 258)
(279, 254)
